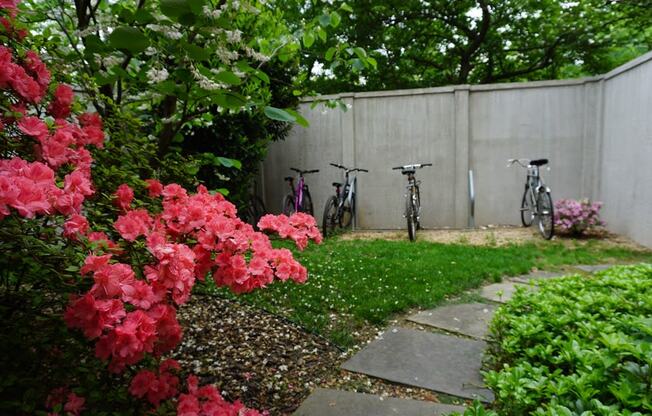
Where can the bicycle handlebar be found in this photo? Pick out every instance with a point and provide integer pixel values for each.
(414, 166)
(302, 172)
(347, 169)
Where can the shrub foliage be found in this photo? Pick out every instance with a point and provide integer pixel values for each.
(580, 346)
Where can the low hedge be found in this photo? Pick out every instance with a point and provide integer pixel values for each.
(579, 346)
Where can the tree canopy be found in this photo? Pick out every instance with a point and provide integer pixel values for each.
(419, 43)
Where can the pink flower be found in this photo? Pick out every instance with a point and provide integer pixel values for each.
(95, 263)
(33, 126)
(154, 187)
(75, 226)
(124, 195)
(93, 316)
(74, 404)
(134, 224)
(60, 105)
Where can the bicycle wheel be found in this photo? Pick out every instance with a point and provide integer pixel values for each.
(545, 212)
(306, 204)
(257, 210)
(418, 208)
(288, 205)
(348, 210)
(527, 208)
(330, 217)
(411, 217)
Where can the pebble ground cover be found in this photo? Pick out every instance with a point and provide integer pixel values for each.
(357, 284)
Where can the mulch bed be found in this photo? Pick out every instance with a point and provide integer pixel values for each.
(267, 362)
(261, 359)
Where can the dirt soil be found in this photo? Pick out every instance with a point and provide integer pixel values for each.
(491, 235)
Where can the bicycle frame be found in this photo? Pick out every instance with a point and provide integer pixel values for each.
(298, 193)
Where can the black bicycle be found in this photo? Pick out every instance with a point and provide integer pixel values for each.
(340, 209)
(536, 201)
(254, 211)
(298, 200)
(412, 198)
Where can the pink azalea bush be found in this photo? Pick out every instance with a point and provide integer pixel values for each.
(577, 217)
(133, 281)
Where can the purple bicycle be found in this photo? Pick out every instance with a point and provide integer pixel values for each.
(299, 199)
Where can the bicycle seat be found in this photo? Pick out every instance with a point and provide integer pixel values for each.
(539, 162)
(337, 184)
(288, 178)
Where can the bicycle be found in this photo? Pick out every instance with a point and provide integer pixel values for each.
(254, 211)
(299, 199)
(536, 201)
(340, 209)
(412, 198)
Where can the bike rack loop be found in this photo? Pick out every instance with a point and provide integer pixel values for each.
(471, 200)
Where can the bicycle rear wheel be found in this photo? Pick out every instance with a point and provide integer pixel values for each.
(330, 217)
(288, 205)
(546, 214)
(411, 217)
(527, 208)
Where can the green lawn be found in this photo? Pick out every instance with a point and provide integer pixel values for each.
(353, 283)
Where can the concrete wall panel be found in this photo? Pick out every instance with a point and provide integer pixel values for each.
(596, 131)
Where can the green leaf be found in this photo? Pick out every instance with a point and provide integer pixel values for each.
(223, 191)
(299, 118)
(360, 52)
(197, 53)
(129, 39)
(93, 44)
(335, 19)
(325, 20)
(278, 114)
(308, 39)
(175, 9)
(229, 163)
(322, 34)
(330, 53)
(346, 8)
(143, 17)
(228, 77)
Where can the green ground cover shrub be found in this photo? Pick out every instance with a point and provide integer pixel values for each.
(580, 346)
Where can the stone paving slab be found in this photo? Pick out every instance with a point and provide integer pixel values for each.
(470, 319)
(592, 268)
(503, 292)
(527, 278)
(327, 402)
(438, 362)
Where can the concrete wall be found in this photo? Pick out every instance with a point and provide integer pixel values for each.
(626, 156)
(591, 129)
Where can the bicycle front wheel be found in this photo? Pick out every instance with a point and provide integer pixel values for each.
(330, 217)
(411, 217)
(306, 204)
(527, 208)
(348, 211)
(546, 214)
(288, 205)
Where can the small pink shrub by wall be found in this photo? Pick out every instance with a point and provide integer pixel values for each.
(573, 217)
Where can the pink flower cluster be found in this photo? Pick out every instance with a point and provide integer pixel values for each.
(30, 187)
(131, 314)
(156, 387)
(72, 404)
(207, 401)
(576, 217)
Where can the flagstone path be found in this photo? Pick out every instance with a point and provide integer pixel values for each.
(447, 362)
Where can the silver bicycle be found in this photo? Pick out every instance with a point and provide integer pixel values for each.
(412, 198)
(536, 202)
(340, 209)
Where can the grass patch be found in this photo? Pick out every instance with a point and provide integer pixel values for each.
(354, 283)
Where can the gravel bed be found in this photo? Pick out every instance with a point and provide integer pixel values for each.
(258, 358)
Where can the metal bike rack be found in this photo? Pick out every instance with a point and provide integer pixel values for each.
(471, 200)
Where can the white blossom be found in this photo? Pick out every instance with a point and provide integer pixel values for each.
(157, 75)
